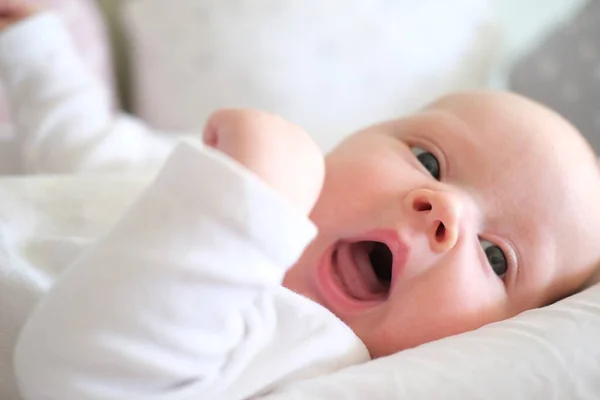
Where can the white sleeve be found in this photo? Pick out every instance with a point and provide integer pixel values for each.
(62, 113)
(157, 309)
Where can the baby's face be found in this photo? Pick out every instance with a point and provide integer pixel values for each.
(472, 211)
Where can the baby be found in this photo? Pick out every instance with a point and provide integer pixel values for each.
(251, 264)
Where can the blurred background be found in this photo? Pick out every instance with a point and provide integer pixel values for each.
(331, 66)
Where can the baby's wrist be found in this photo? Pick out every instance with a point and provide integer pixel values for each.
(12, 14)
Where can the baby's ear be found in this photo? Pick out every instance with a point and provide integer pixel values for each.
(594, 279)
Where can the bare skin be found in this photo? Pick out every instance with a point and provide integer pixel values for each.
(13, 11)
(514, 178)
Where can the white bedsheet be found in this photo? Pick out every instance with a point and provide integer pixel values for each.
(551, 353)
(86, 211)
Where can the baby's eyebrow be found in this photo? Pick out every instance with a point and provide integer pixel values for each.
(448, 121)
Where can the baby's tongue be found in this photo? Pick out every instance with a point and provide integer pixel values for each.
(355, 272)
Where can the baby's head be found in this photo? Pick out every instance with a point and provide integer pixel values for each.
(471, 211)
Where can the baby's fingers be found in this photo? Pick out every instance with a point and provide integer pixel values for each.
(13, 11)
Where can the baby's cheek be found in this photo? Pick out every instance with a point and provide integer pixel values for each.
(468, 304)
(346, 209)
(301, 277)
(451, 301)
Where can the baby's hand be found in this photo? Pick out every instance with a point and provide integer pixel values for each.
(13, 11)
(279, 152)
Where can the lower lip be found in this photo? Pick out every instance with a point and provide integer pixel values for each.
(338, 300)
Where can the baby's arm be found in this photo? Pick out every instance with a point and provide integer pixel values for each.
(62, 113)
(178, 298)
(161, 306)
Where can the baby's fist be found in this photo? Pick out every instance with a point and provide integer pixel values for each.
(279, 152)
(13, 11)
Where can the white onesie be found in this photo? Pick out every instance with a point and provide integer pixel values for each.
(173, 288)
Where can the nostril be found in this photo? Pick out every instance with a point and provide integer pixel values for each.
(440, 232)
(421, 205)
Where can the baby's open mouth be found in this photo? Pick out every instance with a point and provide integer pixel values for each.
(361, 273)
(363, 270)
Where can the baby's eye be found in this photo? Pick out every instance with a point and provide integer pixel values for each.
(496, 258)
(429, 161)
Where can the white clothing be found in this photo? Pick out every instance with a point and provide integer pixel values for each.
(173, 293)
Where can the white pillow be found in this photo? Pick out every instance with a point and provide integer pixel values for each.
(331, 66)
(549, 353)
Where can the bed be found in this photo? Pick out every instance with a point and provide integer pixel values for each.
(440, 46)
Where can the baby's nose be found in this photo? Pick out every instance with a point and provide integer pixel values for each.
(439, 213)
